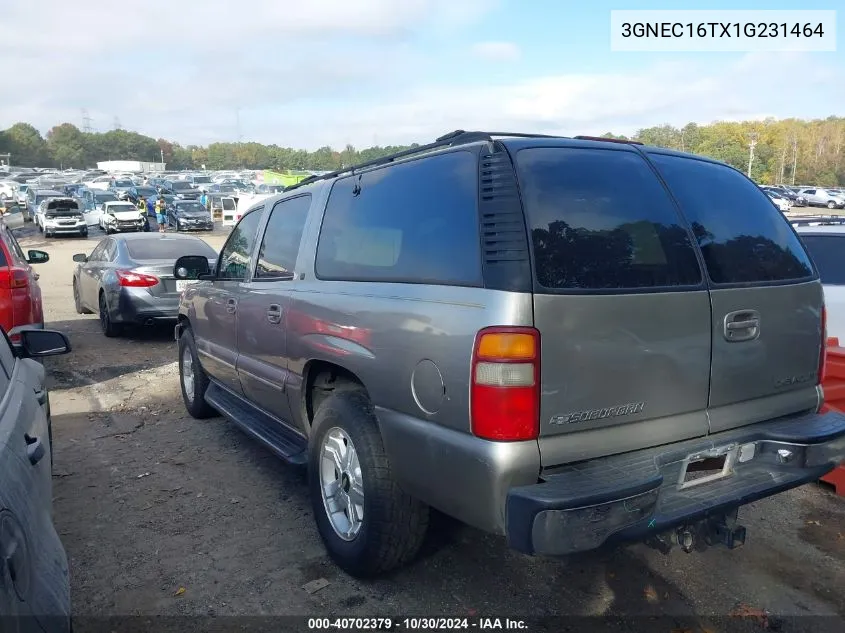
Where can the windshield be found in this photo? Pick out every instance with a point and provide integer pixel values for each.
(120, 208)
(124, 183)
(145, 191)
(191, 207)
(201, 180)
(168, 248)
(23, 188)
(225, 188)
(180, 185)
(105, 197)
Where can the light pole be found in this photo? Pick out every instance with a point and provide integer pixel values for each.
(751, 147)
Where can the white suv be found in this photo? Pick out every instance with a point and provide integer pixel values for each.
(60, 216)
(122, 216)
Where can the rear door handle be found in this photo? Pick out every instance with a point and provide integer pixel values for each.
(274, 313)
(231, 305)
(34, 449)
(741, 325)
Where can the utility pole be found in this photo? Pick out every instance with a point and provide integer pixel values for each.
(751, 147)
(794, 156)
(86, 121)
(162, 159)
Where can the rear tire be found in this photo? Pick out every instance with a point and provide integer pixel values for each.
(831, 205)
(193, 380)
(110, 329)
(392, 525)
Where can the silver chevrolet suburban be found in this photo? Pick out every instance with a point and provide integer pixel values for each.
(570, 342)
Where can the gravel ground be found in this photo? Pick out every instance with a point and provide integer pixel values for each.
(165, 515)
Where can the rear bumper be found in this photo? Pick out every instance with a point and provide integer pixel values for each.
(633, 496)
(138, 306)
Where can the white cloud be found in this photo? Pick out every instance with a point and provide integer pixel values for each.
(497, 51)
(335, 71)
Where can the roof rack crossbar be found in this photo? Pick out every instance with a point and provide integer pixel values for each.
(452, 139)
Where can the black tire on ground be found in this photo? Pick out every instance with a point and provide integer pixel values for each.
(110, 329)
(394, 524)
(40, 229)
(196, 406)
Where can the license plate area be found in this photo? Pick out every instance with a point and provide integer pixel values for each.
(707, 466)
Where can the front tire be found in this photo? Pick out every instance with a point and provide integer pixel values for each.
(368, 524)
(193, 379)
(110, 329)
(77, 300)
(831, 205)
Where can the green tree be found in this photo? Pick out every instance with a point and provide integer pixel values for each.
(26, 145)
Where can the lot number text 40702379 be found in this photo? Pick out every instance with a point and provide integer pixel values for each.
(417, 623)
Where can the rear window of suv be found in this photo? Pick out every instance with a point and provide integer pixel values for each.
(601, 220)
(742, 235)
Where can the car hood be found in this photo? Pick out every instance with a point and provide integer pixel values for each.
(193, 214)
(126, 215)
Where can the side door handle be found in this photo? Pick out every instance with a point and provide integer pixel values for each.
(34, 449)
(274, 313)
(741, 325)
(231, 306)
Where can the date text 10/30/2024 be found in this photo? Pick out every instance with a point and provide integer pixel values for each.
(423, 624)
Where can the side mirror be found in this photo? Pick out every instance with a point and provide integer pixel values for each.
(39, 343)
(191, 267)
(37, 257)
(80, 258)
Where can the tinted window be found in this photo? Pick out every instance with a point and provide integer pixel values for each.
(413, 222)
(600, 219)
(105, 197)
(16, 248)
(234, 259)
(280, 245)
(228, 204)
(742, 235)
(828, 253)
(168, 248)
(97, 254)
(181, 185)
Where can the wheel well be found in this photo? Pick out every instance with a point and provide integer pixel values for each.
(321, 378)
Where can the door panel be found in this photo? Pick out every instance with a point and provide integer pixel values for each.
(262, 335)
(768, 369)
(215, 330)
(262, 350)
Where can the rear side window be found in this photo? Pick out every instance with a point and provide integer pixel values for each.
(415, 222)
(828, 253)
(742, 235)
(601, 220)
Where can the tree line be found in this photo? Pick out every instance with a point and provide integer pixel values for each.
(778, 151)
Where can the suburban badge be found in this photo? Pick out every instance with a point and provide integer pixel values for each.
(598, 414)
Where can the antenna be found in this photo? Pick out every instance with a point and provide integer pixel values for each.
(86, 121)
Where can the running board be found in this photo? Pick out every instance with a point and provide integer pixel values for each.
(287, 444)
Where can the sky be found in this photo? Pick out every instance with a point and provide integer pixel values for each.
(379, 72)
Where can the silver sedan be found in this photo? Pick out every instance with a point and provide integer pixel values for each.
(128, 279)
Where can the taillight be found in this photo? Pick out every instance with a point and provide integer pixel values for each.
(823, 350)
(13, 277)
(131, 279)
(505, 384)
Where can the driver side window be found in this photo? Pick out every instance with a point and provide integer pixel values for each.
(235, 256)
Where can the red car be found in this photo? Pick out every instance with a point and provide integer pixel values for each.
(20, 295)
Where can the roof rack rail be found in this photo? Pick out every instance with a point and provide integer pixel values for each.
(607, 139)
(452, 139)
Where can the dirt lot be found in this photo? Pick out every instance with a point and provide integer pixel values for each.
(163, 514)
